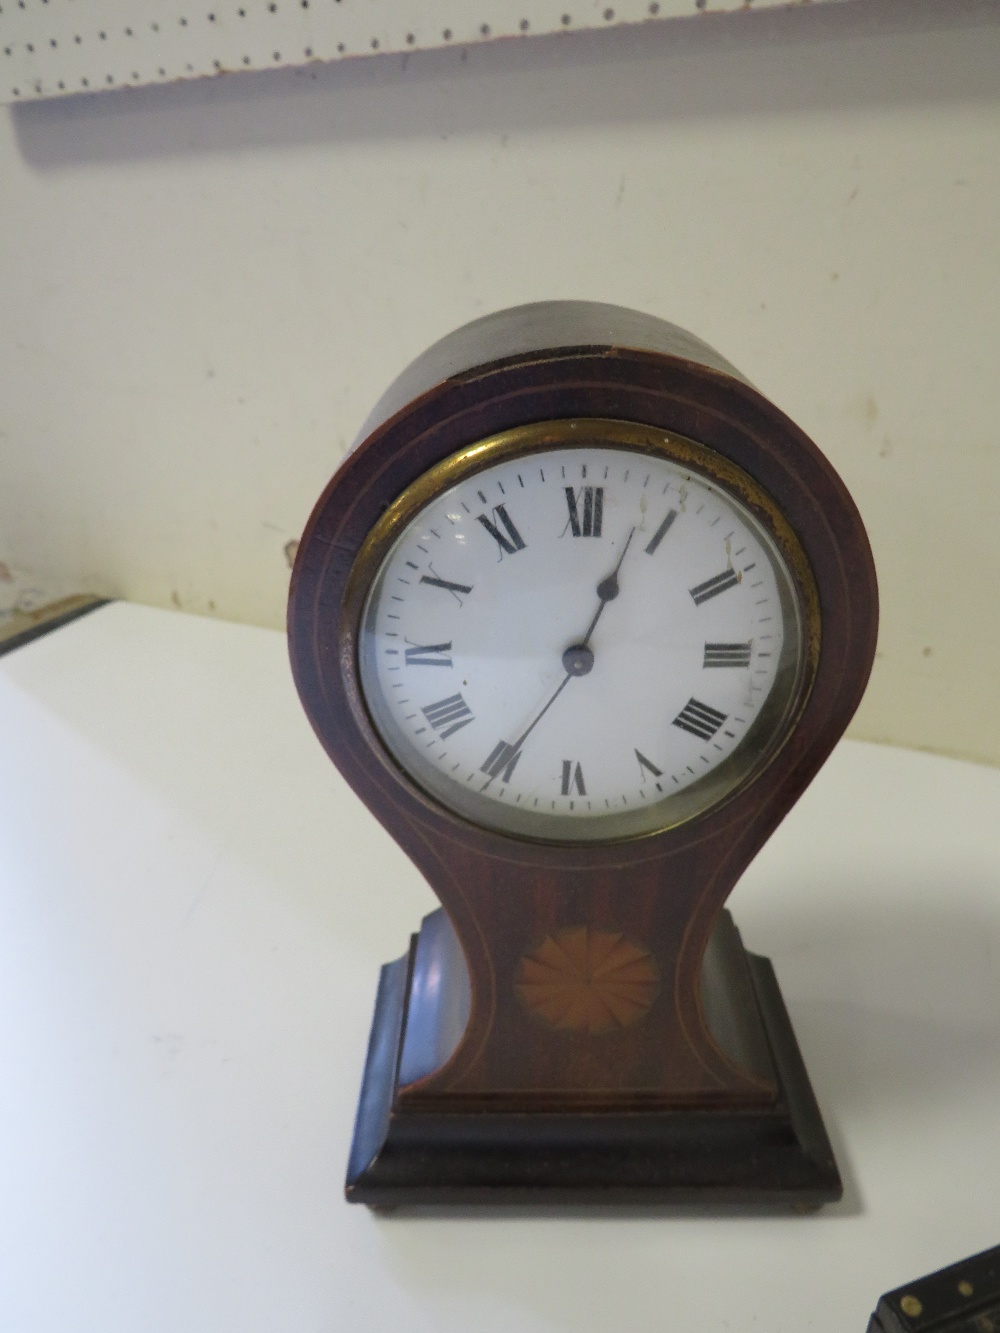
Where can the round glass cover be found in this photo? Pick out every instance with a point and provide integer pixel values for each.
(580, 643)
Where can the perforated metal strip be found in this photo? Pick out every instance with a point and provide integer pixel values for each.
(51, 48)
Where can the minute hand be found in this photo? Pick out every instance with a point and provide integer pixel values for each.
(538, 716)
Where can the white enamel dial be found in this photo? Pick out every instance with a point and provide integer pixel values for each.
(580, 643)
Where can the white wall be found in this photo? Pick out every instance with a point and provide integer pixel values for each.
(203, 289)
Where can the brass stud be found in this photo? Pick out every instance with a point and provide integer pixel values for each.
(911, 1306)
(965, 1288)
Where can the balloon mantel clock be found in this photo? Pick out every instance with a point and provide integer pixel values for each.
(579, 618)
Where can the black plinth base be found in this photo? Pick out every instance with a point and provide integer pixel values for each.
(779, 1156)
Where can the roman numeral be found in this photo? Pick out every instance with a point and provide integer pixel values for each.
(661, 531)
(589, 524)
(572, 776)
(513, 541)
(648, 764)
(699, 719)
(727, 654)
(448, 715)
(428, 654)
(444, 583)
(502, 760)
(712, 587)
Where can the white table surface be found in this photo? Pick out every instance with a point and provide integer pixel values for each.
(193, 911)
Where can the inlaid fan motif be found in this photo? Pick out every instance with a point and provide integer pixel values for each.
(592, 981)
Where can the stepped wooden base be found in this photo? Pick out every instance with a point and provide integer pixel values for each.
(778, 1155)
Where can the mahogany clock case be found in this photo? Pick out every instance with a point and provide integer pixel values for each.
(707, 1096)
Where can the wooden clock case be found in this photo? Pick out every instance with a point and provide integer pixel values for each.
(705, 1099)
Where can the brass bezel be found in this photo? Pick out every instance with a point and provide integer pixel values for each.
(576, 433)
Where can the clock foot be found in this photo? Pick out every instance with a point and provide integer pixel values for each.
(766, 1156)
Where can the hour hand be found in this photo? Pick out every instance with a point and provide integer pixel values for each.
(607, 591)
(608, 588)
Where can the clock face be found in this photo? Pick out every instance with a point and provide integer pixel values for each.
(579, 643)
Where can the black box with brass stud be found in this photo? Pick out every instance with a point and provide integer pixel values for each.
(964, 1298)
